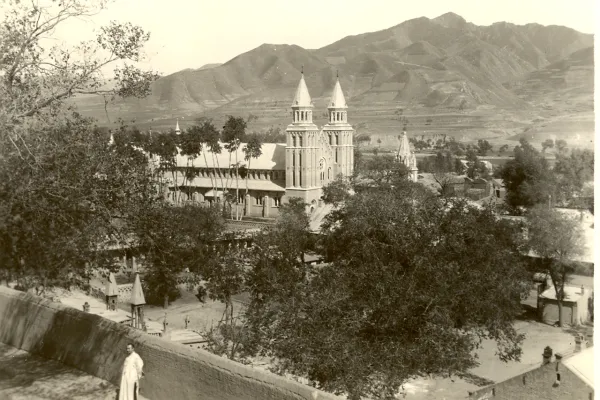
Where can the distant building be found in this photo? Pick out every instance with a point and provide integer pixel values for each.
(310, 159)
(488, 165)
(574, 305)
(570, 379)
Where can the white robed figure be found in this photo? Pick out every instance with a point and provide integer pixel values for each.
(132, 372)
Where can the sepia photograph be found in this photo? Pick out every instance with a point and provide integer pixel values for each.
(313, 200)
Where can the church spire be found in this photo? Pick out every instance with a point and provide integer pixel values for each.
(337, 96)
(337, 105)
(302, 98)
(177, 130)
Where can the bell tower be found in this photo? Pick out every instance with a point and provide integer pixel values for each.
(301, 149)
(339, 133)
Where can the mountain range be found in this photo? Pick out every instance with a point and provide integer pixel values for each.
(423, 66)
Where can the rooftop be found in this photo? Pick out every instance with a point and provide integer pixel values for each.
(572, 293)
(582, 365)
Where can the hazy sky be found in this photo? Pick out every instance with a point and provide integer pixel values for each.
(189, 34)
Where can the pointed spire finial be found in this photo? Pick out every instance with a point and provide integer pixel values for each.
(137, 293)
(302, 69)
(337, 73)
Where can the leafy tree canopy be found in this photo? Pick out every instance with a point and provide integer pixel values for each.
(528, 178)
(406, 293)
(557, 239)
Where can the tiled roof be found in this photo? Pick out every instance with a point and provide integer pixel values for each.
(253, 184)
(272, 158)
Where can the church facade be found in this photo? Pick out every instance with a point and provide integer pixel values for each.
(311, 158)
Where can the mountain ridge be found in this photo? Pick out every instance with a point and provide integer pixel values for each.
(422, 64)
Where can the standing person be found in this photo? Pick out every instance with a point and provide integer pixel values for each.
(132, 372)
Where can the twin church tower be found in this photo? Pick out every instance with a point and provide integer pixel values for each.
(314, 157)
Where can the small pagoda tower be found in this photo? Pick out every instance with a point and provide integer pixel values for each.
(111, 292)
(407, 157)
(137, 304)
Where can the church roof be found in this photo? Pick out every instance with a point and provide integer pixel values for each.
(302, 98)
(272, 158)
(137, 294)
(232, 184)
(111, 286)
(337, 97)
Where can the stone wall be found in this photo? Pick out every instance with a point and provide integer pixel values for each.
(97, 346)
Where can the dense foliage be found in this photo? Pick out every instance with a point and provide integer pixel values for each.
(406, 292)
(557, 239)
(530, 180)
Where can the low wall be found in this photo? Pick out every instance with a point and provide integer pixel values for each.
(97, 346)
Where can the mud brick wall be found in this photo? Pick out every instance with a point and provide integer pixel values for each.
(97, 346)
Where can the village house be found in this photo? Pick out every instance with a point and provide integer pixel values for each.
(568, 377)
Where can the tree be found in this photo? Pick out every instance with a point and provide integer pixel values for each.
(502, 149)
(233, 134)
(406, 293)
(573, 172)
(164, 146)
(211, 139)
(225, 278)
(252, 149)
(65, 191)
(357, 160)
(59, 202)
(173, 238)
(547, 144)
(483, 147)
(475, 167)
(190, 145)
(420, 145)
(337, 191)
(383, 170)
(558, 240)
(527, 178)
(561, 146)
(455, 147)
(35, 81)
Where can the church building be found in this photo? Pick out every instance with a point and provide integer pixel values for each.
(310, 159)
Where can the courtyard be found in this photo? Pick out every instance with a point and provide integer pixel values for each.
(203, 315)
